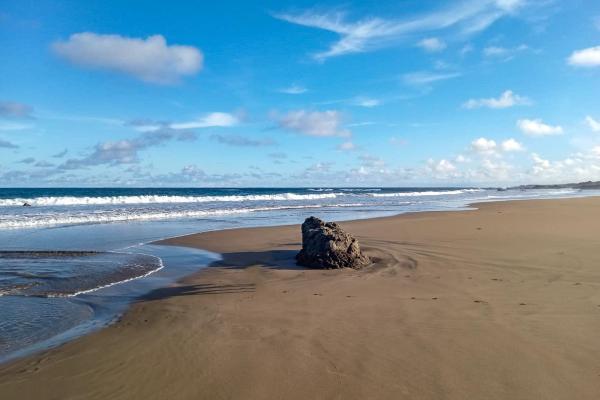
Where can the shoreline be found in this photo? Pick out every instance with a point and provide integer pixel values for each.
(257, 276)
(112, 300)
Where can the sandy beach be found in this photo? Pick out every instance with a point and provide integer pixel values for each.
(498, 303)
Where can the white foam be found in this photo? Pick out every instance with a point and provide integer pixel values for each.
(160, 266)
(428, 193)
(40, 220)
(158, 199)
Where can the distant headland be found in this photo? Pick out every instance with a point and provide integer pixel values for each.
(581, 185)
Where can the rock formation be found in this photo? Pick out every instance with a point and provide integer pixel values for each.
(327, 246)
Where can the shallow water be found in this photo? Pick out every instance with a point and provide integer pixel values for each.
(36, 319)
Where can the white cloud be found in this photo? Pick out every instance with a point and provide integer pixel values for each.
(294, 89)
(425, 78)
(592, 123)
(489, 147)
(494, 51)
(314, 123)
(511, 145)
(586, 58)
(576, 167)
(445, 166)
(371, 33)
(505, 53)
(150, 59)
(483, 145)
(442, 169)
(347, 146)
(536, 127)
(539, 164)
(215, 119)
(367, 102)
(432, 44)
(507, 99)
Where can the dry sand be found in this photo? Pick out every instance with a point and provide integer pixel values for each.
(498, 303)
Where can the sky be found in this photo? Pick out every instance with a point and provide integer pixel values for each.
(303, 93)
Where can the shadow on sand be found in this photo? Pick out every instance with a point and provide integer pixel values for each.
(197, 289)
(274, 259)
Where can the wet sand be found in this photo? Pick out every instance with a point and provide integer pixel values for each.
(498, 303)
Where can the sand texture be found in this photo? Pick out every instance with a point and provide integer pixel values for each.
(498, 303)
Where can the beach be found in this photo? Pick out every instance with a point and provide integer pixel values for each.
(500, 302)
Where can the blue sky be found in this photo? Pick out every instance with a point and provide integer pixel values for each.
(399, 93)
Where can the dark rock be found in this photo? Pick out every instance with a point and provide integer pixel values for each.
(327, 246)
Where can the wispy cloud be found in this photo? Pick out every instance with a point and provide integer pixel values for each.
(507, 99)
(432, 45)
(210, 120)
(7, 145)
(241, 141)
(314, 123)
(44, 164)
(370, 33)
(14, 126)
(367, 102)
(126, 151)
(293, 89)
(150, 60)
(278, 155)
(503, 53)
(215, 119)
(593, 124)
(60, 154)
(13, 109)
(426, 77)
(347, 146)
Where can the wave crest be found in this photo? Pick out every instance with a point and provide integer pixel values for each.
(158, 199)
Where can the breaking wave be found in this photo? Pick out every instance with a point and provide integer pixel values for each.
(428, 193)
(159, 199)
(70, 273)
(40, 220)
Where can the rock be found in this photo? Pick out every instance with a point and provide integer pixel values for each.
(327, 246)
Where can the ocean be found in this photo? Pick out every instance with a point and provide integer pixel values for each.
(72, 259)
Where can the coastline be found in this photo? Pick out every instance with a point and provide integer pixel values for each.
(458, 305)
